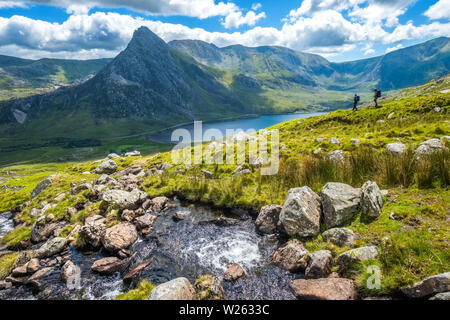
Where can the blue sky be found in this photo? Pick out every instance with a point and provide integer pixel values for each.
(336, 29)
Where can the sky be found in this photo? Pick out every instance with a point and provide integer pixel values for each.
(339, 30)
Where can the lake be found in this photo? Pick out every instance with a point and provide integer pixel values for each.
(255, 124)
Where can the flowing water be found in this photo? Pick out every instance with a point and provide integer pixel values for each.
(204, 241)
(6, 223)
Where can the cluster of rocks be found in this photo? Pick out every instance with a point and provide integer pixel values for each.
(424, 149)
(304, 214)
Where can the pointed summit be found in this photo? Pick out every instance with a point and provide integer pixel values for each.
(145, 36)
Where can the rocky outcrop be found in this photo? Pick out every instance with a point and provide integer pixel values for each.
(209, 287)
(340, 203)
(51, 247)
(396, 148)
(108, 166)
(234, 272)
(301, 212)
(122, 200)
(341, 237)
(176, 289)
(371, 200)
(430, 286)
(324, 289)
(267, 219)
(292, 256)
(93, 230)
(319, 264)
(110, 265)
(356, 255)
(120, 236)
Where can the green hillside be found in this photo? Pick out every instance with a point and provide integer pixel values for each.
(411, 233)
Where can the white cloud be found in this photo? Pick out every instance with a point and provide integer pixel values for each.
(12, 4)
(99, 34)
(439, 10)
(369, 51)
(397, 47)
(256, 6)
(309, 7)
(381, 10)
(236, 19)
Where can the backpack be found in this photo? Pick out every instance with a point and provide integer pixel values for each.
(357, 98)
(378, 93)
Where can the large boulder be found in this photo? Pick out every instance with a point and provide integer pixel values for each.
(340, 203)
(176, 289)
(51, 247)
(371, 200)
(357, 255)
(267, 219)
(292, 256)
(108, 166)
(396, 148)
(120, 236)
(209, 287)
(301, 213)
(341, 237)
(110, 265)
(319, 264)
(429, 147)
(324, 289)
(93, 230)
(430, 286)
(122, 200)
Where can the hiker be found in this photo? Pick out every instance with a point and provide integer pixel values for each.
(355, 102)
(377, 94)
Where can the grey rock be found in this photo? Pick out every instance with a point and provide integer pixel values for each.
(123, 199)
(68, 270)
(210, 287)
(357, 255)
(107, 166)
(134, 153)
(429, 147)
(301, 212)
(93, 230)
(335, 141)
(337, 156)
(441, 296)
(41, 186)
(340, 203)
(341, 237)
(110, 265)
(292, 256)
(319, 264)
(430, 286)
(145, 221)
(371, 200)
(176, 289)
(81, 187)
(396, 148)
(51, 247)
(324, 289)
(267, 219)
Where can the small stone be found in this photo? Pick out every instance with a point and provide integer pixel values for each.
(128, 215)
(292, 256)
(335, 141)
(341, 237)
(109, 265)
(396, 148)
(210, 288)
(319, 264)
(357, 255)
(33, 265)
(234, 272)
(120, 236)
(68, 270)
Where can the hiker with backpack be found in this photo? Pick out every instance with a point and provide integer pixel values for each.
(355, 102)
(377, 94)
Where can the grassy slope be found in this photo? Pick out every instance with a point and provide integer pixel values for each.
(419, 195)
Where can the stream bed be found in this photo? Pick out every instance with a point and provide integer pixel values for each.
(204, 241)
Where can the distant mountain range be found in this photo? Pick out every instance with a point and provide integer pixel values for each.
(152, 85)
